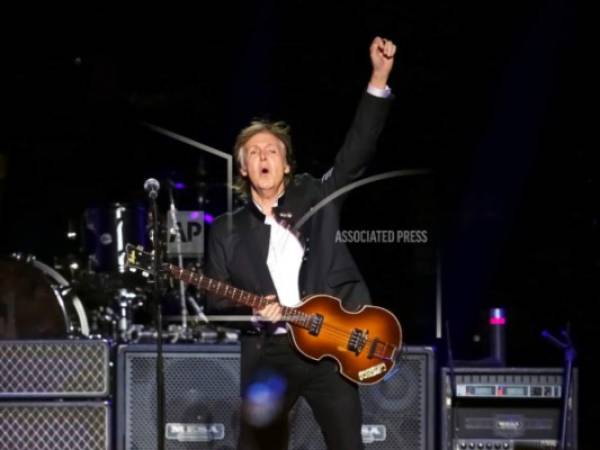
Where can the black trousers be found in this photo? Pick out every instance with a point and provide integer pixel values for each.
(334, 401)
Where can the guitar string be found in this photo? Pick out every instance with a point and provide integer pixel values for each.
(379, 355)
(345, 335)
(341, 338)
(385, 344)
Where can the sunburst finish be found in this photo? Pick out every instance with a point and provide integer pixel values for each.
(383, 338)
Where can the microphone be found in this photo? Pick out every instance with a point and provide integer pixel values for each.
(151, 186)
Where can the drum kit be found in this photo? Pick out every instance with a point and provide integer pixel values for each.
(93, 294)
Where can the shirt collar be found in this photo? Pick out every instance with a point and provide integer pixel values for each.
(275, 205)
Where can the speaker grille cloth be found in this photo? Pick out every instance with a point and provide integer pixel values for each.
(399, 404)
(53, 369)
(31, 426)
(199, 388)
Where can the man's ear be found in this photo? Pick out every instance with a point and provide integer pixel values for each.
(244, 172)
(287, 169)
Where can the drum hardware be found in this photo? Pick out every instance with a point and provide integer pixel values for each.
(202, 334)
(139, 334)
(74, 329)
(199, 310)
(200, 330)
(127, 302)
(103, 323)
(116, 322)
(180, 333)
(36, 301)
(229, 335)
(107, 229)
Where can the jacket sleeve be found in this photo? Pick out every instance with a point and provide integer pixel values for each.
(359, 145)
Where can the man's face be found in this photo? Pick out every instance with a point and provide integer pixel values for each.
(264, 162)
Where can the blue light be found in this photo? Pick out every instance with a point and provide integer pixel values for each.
(263, 400)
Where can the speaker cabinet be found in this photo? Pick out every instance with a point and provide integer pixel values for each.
(202, 396)
(54, 369)
(397, 412)
(46, 387)
(202, 401)
(55, 426)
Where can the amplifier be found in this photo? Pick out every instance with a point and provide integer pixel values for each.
(54, 368)
(55, 426)
(397, 412)
(202, 387)
(505, 408)
(202, 396)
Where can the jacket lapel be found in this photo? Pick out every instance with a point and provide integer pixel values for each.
(256, 239)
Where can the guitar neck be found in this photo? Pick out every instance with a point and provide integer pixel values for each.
(234, 294)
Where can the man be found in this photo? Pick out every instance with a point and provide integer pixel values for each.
(264, 253)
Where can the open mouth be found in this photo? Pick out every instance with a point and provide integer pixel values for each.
(264, 171)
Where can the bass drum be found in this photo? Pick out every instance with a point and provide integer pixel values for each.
(37, 302)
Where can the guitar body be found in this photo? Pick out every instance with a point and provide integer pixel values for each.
(364, 343)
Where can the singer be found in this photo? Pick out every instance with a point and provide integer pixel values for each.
(264, 254)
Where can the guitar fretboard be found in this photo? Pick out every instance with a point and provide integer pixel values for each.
(291, 315)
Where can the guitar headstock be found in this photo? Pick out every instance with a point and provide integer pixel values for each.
(138, 259)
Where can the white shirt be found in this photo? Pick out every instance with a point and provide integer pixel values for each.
(284, 260)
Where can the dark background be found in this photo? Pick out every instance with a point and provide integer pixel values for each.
(493, 99)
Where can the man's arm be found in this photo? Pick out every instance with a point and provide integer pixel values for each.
(360, 142)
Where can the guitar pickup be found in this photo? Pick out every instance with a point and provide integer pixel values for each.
(358, 339)
(315, 325)
(373, 348)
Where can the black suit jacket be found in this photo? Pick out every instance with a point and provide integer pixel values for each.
(238, 255)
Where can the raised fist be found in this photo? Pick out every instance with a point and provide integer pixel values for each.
(382, 53)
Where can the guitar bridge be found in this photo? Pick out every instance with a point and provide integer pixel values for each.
(358, 340)
(315, 325)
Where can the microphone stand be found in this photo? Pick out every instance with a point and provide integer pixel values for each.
(569, 354)
(156, 293)
(452, 380)
(177, 232)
